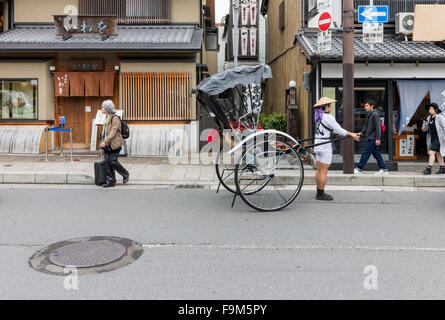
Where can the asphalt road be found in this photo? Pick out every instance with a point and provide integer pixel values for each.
(197, 247)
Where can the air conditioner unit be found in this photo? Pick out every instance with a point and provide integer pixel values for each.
(405, 23)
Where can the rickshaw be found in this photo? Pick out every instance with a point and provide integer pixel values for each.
(263, 167)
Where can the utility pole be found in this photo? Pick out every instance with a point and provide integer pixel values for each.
(348, 84)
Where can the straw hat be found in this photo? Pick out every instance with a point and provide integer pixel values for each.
(324, 101)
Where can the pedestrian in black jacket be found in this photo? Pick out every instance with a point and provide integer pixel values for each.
(372, 131)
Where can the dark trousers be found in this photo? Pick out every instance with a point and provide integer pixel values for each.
(112, 164)
(371, 148)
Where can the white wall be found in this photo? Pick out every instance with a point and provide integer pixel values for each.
(386, 71)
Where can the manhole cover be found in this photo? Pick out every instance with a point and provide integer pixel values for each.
(87, 254)
(91, 255)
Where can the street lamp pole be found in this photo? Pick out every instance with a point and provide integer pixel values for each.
(348, 84)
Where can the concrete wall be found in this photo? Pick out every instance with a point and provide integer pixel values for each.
(185, 11)
(41, 10)
(34, 70)
(211, 60)
(164, 67)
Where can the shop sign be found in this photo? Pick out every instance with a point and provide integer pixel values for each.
(68, 25)
(86, 65)
(62, 84)
(410, 146)
(402, 147)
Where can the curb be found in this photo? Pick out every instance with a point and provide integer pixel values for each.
(333, 179)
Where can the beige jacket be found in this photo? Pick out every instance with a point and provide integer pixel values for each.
(113, 134)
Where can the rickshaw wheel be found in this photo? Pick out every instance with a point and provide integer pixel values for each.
(277, 178)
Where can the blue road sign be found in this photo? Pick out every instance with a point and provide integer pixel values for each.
(379, 14)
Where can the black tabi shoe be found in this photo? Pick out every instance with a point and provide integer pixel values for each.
(126, 179)
(441, 170)
(427, 170)
(109, 185)
(323, 196)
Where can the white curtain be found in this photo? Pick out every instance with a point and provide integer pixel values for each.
(437, 93)
(411, 93)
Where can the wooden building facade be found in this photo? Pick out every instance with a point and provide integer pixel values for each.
(145, 55)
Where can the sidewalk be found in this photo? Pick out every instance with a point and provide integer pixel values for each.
(158, 171)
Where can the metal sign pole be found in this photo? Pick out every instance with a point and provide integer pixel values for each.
(71, 143)
(61, 143)
(371, 3)
(46, 144)
(235, 31)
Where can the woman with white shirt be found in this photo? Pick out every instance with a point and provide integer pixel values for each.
(325, 125)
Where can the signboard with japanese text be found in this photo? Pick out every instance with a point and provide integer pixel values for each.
(410, 145)
(403, 147)
(324, 5)
(86, 65)
(372, 33)
(94, 25)
(61, 84)
(324, 41)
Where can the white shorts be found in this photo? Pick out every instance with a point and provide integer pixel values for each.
(324, 157)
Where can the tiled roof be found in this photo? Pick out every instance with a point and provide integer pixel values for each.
(391, 49)
(129, 38)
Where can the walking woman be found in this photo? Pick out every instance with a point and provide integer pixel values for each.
(435, 126)
(325, 125)
(111, 144)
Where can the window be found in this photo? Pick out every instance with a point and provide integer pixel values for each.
(282, 16)
(129, 11)
(156, 95)
(18, 99)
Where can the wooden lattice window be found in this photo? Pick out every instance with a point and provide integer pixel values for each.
(129, 11)
(156, 95)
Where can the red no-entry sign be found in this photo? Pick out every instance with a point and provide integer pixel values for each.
(324, 22)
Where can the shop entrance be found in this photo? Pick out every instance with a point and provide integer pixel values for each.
(410, 111)
(79, 113)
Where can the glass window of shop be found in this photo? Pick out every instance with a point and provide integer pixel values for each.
(363, 91)
(18, 99)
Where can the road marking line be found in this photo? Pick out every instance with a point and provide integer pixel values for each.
(293, 247)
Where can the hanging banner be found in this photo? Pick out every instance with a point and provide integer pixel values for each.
(244, 12)
(244, 41)
(253, 12)
(61, 84)
(253, 37)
